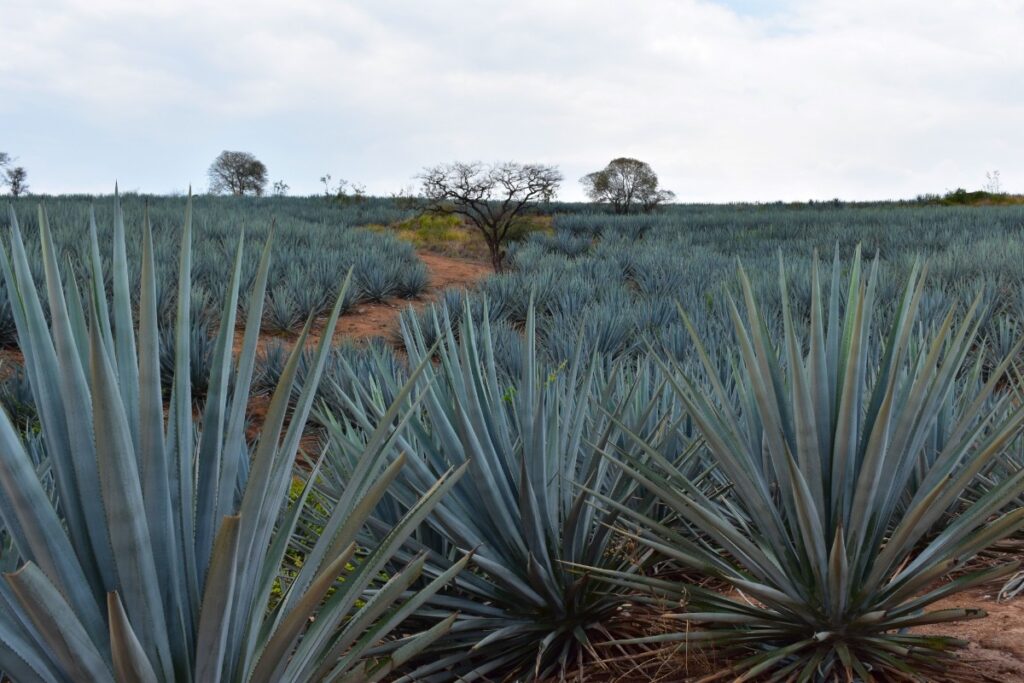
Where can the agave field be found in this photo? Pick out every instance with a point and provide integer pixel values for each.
(621, 278)
(315, 246)
(755, 443)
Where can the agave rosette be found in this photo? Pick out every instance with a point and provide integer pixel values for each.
(156, 556)
(832, 537)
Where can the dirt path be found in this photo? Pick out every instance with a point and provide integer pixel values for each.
(372, 320)
(446, 271)
(365, 321)
(381, 319)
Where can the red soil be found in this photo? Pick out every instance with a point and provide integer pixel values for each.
(996, 650)
(381, 319)
(371, 320)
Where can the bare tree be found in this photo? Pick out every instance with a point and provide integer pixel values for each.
(993, 183)
(627, 184)
(237, 173)
(326, 180)
(16, 180)
(344, 192)
(490, 197)
(281, 188)
(406, 198)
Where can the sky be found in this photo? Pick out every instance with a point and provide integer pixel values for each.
(728, 100)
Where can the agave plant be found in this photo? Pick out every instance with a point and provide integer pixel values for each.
(829, 538)
(281, 315)
(201, 347)
(159, 556)
(533, 445)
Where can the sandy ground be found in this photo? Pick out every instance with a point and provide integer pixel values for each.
(996, 651)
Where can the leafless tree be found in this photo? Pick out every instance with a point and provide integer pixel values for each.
(344, 192)
(993, 183)
(489, 197)
(16, 180)
(406, 198)
(237, 173)
(326, 180)
(627, 184)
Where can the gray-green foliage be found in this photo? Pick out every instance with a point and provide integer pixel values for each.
(842, 470)
(317, 243)
(837, 491)
(149, 548)
(620, 276)
(532, 441)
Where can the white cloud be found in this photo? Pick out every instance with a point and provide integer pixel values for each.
(810, 98)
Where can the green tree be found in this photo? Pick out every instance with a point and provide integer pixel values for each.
(237, 173)
(16, 178)
(627, 185)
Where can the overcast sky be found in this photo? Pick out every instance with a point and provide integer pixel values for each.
(728, 100)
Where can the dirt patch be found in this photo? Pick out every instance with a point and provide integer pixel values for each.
(451, 272)
(375, 320)
(996, 650)
(365, 321)
(9, 360)
(381, 319)
(995, 653)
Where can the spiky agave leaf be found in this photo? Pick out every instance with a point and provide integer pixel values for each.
(831, 528)
(149, 565)
(533, 446)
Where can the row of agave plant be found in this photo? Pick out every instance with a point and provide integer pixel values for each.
(622, 290)
(315, 239)
(149, 546)
(827, 484)
(472, 519)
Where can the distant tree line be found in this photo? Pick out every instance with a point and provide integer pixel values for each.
(492, 198)
(992, 193)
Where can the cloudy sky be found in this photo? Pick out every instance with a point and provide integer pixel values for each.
(727, 99)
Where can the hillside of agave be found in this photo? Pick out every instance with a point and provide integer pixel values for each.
(768, 438)
(619, 278)
(315, 240)
(623, 376)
